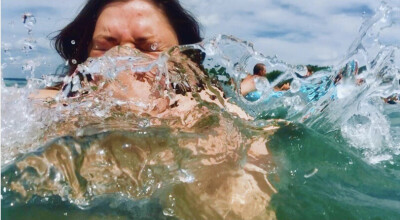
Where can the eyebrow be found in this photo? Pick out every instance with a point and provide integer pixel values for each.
(106, 37)
(114, 40)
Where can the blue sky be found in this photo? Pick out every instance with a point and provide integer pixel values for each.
(297, 31)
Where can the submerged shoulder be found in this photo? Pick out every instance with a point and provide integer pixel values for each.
(44, 94)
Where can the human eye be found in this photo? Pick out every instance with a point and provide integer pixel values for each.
(102, 46)
(104, 43)
(99, 47)
(149, 47)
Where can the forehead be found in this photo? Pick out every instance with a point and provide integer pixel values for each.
(131, 6)
(130, 13)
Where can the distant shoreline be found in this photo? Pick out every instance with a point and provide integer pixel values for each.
(20, 82)
(16, 79)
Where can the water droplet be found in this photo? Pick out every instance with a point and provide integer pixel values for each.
(29, 66)
(72, 42)
(73, 61)
(27, 47)
(29, 21)
(154, 46)
(295, 86)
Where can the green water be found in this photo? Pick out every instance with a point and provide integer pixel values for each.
(345, 186)
(317, 177)
(107, 208)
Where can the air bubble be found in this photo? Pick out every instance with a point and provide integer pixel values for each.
(72, 42)
(126, 146)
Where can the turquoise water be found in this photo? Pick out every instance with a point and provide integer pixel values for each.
(325, 149)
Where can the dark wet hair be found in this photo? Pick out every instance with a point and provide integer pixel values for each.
(72, 43)
(258, 68)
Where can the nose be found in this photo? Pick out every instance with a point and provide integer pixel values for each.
(128, 44)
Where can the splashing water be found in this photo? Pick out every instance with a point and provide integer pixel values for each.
(355, 106)
(179, 148)
(159, 151)
(362, 115)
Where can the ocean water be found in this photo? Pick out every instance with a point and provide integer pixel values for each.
(325, 149)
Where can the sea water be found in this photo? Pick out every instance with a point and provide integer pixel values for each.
(329, 150)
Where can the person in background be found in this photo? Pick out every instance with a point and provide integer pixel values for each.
(282, 87)
(248, 85)
(393, 99)
(351, 70)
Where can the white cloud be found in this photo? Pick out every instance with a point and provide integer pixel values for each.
(306, 31)
(209, 20)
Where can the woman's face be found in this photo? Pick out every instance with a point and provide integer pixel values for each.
(137, 24)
